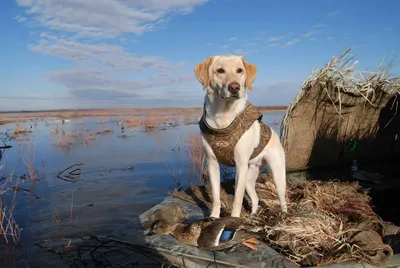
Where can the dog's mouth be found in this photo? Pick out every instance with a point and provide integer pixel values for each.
(232, 96)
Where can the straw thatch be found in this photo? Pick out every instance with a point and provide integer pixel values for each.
(327, 222)
(338, 105)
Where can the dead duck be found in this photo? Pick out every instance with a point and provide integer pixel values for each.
(210, 233)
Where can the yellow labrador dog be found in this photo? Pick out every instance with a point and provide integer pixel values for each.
(226, 77)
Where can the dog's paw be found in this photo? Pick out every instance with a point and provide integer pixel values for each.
(284, 209)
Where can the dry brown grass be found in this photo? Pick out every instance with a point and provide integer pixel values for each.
(188, 120)
(151, 122)
(321, 222)
(340, 76)
(133, 122)
(18, 131)
(327, 222)
(27, 152)
(70, 140)
(57, 221)
(54, 130)
(105, 127)
(8, 226)
(56, 218)
(196, 154)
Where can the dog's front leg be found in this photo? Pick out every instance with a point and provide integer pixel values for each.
(241, 171)
(214, 174)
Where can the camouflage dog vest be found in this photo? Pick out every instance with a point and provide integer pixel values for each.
(223, 141)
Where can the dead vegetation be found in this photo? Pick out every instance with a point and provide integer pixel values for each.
(337, 105)
(104, 131)
(105, 127)
(132, 122)
(8, 225)
(18, 131)
(58, 221)
(70, 140)
(27, 153)
(150, 122)
(327, 222)
(195, 155)
(9, 229)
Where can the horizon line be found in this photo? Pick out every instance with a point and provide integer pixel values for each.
(273, 107)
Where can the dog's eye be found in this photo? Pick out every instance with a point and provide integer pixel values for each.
(239, 70)
(220, 70)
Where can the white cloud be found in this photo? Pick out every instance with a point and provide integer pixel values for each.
(112, 56)
(106, 18)
(232, 38)
(47, 36)
(73, 31)
(243, 52)
(275, 38)
(209, 44)
(80, 80)
(329, 38)
(309, 34)
(225, 46)
(319, 26)
(333, 14)
(291, 42)
(274, 45)
(19, 18)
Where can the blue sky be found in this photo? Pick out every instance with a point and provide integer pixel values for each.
(141, 53)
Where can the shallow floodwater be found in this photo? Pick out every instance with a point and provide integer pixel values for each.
(123, 172)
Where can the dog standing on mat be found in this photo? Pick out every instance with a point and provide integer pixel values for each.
(233, 133)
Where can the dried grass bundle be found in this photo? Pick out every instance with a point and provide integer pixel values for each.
(340, 76)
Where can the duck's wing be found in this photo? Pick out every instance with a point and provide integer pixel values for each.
(234, 223)
(210, 234)
(239, 237)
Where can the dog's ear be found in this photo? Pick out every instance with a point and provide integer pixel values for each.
(202, 72)
(251, 71)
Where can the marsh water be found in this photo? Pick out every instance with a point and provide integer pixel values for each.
(96, 175)
(114, 175)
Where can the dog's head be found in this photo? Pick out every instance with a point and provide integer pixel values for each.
(226, 75)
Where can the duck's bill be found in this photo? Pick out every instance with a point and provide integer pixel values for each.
(151, 233)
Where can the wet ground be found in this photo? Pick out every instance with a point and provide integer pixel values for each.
(113, 174)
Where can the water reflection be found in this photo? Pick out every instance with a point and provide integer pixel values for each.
(124, 172)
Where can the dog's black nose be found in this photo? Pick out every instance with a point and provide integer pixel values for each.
(234, 87)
